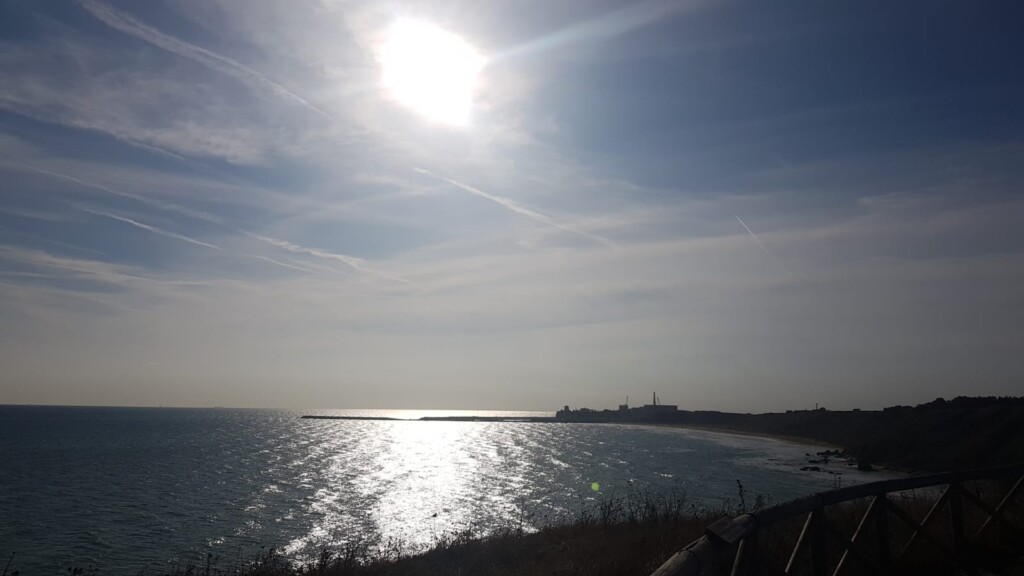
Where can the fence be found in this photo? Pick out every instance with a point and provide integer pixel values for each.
(736, 539)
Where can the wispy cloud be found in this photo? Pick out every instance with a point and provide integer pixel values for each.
(252, 168)
(205, 57)
(33, 214)
(49, 285)
(514, 207)
(76, 267)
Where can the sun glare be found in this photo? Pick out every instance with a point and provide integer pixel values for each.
(431, 71)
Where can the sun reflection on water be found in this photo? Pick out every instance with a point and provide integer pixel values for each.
(413, 482)
(228, 482)
(417, 481)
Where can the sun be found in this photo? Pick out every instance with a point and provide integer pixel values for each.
(431, 71)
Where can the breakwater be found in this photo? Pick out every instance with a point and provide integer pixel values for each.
(530, 419)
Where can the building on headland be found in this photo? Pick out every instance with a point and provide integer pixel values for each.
(655, 408)
(623, 414)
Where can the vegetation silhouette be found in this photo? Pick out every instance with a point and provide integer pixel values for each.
(941, 435)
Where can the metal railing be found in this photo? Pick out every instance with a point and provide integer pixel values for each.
(735, 539)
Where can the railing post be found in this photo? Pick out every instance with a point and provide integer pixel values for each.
(702, 555)
(745, 556)
(882, 532)
(804, 537)
(1010, 495)
(818, 557)
(956, 516)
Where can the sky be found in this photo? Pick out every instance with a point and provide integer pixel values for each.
(741, 205)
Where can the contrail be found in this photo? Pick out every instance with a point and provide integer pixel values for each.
(150, 228)
(208, 58)
(141, 199)
(350, 261)
(169, 207)
(279, 263)
(162, 232)
(357, 264)
(761, 244)
(512, 206)
(754, 236)
(153, 229)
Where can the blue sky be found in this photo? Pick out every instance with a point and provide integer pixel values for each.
(745, 206)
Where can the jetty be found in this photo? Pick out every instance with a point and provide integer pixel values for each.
(540, 419)
(648, 413)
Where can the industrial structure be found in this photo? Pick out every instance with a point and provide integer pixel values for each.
(623, 414)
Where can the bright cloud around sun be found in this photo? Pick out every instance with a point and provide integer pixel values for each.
(430, 71)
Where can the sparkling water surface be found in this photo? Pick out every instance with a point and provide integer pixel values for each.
(129, 489)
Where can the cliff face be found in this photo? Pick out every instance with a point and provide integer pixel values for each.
(940, 435)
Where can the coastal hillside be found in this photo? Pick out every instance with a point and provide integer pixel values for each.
(965, 432)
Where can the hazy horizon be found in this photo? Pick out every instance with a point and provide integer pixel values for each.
(517, 205)
(552, 410)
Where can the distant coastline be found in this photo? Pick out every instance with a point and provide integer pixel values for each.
(965, 432)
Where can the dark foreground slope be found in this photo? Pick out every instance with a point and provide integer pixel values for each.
(937, 436)
(614, 542)
(620, 535)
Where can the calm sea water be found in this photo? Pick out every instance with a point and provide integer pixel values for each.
(128, 489)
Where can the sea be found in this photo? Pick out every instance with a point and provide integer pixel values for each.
(134, 490)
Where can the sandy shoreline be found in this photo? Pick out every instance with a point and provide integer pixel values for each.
(789, 439)
(736, 432)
